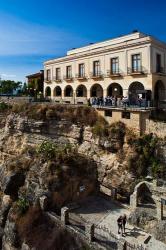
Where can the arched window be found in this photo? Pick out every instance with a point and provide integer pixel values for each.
(57, 91)
(136, 89)
(96, 91)
(48, 92)
(81, 91)
(68, 92)
(115, 89)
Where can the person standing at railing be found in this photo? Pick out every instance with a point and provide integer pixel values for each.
(120, 224)
(124, 218)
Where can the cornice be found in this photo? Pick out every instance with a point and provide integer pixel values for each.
(95, 52)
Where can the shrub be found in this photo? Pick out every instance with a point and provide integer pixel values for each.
(47, 149)
(145, 159)
(117, 129)
(23, 205)
(100, 129)
(4, 106)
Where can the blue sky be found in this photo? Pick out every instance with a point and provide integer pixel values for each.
(33, 31)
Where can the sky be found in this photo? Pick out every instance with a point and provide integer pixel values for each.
(33, 31)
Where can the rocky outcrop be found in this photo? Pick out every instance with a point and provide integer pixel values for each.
(95, 161)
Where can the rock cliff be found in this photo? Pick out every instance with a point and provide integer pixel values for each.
(52, 159)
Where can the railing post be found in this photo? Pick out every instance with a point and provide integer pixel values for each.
(65, 215)
(121, 244)
(89, 231)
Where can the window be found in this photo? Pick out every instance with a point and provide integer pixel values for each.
(96, 68)
(158, 63)
(136, 63)
(68, 72)
(81, 69)
(126, 115)
(108, 113)
(48, 75)
(58, 73)
(114, 65)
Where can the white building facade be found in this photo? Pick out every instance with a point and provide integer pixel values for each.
(125, 66)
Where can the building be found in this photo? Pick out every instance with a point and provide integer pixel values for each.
(130, 65)
(36, 82)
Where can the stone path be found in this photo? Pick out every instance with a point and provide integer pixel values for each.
(103, 212)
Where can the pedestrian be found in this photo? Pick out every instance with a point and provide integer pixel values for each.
(124, 222)
(120, 223)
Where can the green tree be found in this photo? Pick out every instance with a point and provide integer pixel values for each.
(8, 86)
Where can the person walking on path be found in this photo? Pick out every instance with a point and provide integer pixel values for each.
(124, 220)
(120, 224)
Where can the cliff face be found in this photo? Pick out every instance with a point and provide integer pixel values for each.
(83, 161)
(20, 135)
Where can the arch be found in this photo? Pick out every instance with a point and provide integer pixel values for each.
(68, 91)
(115, 89)
(144, 196)
(47, 91)
(159, 92)
(135, 89)
(81, 91)
(57, 91)
(96, 90)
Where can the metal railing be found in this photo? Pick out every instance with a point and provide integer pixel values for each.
(136, 70)
(68, 77)
(114, 72)
(57, 79)
(160, 70)
(48, 80)
(80, 76)
(97, 74)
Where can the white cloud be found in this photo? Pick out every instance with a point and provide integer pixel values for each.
(7, 76)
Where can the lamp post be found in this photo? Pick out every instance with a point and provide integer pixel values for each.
(35, 94)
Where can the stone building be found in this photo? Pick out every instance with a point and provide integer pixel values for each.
(130, 65)
(36, 82)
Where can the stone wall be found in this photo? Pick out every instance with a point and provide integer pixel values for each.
(156, 127)
(12, 100)
(136, 122)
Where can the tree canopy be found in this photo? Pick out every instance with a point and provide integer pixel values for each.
(8, 86)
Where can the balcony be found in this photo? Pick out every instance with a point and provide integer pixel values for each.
(57, 79)
(68, 77)
(80, 76)
(47, 80)
(116, 73)
(96, 75)
(136, 71)
(160, 70)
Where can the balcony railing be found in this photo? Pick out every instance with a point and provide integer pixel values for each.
(57, 79)
(80, 76)
(111, 73)
(68, 77)
(136, 71)
(98, 74)
(160, 70)
(47, 80)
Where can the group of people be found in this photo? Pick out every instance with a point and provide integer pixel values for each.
(109, 101)
(121, 221)
(118, 101)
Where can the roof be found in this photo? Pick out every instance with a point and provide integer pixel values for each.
(35, 74)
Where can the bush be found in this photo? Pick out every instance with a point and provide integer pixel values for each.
(4, 106)
(145, 159)
(100, 129)
(117, 129)
(47, 149)
(23, 205)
